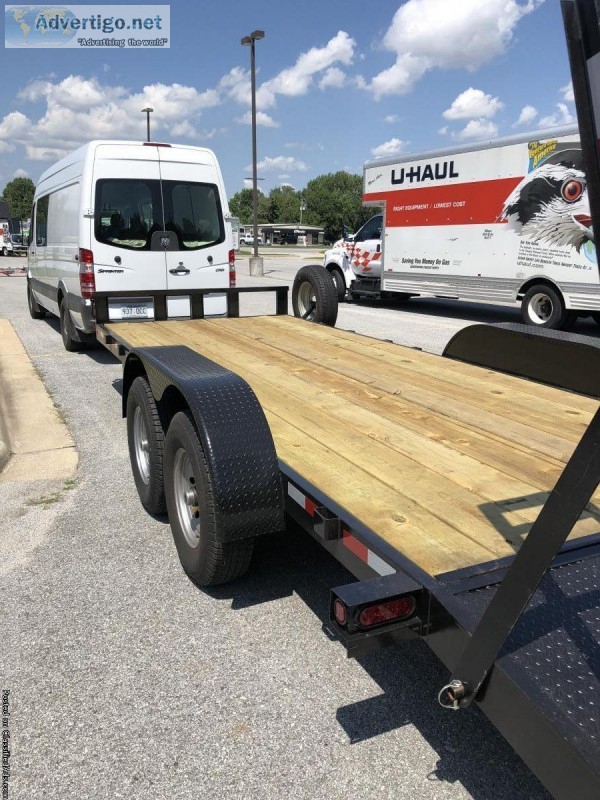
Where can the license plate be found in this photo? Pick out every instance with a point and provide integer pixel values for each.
(130, 310)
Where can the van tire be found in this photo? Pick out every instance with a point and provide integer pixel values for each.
(205, 560)
(543, 307)
(314, 295)
(147, 462)
(340, 284)
(66, 330)
(35, 309)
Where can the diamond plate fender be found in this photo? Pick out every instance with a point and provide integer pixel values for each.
(234, 432)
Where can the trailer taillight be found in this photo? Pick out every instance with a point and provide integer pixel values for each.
(87, 279)
(390, 611)
(340, 612)
(232, 269)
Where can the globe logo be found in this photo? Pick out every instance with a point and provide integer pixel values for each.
(38, 26)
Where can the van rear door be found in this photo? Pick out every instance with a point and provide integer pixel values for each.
(198, 257)
(127, 203)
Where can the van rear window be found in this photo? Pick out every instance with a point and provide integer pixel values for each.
(129, 212)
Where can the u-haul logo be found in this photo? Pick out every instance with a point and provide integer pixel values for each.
(437, 171)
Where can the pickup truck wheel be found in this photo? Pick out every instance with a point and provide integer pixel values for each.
(146, 440)
(543, 306)
(314, 295)
(35, 310)
(192, 511)
(340, 284)
(66, 330)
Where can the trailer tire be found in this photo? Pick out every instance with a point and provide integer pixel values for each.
(71, 344)
(146, 441)
(543, 307)
(192, 510)
(35, 309)
(314, 295)
(340, 284)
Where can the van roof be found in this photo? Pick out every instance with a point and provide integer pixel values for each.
(81, 154)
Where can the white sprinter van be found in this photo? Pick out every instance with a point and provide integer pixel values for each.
(128, 216)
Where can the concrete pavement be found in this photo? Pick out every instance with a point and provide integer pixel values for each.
(35, 443)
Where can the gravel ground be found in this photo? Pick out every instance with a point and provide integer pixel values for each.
(126, 681)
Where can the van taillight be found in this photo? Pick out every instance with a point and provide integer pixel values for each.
(232, 269)
(87, 279)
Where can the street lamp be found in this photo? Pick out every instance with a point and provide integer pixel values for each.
(302, 208)
(147, 111)
(256, 263)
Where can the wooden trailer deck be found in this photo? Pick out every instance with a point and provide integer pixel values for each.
(448, 462)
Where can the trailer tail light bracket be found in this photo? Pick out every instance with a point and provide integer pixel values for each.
(369, 615)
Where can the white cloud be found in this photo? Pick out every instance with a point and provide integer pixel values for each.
(567, 92)
(334, 78)
(20, 173)
(478, 129)
(443, 131)
(426, 34)
(261, 119)
(392, 148)
(286, 163)
(79, 109)
(562, 116)
(473, 103)
(526, 117)
(391, 119)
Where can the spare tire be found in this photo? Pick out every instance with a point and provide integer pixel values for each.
(315, 296)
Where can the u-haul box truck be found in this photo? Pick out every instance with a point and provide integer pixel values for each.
(504, 221)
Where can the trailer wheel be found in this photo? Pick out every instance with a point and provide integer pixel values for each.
(543, 306)
(314, 295)
(35, 310)
(340, 284)
(192, 511)
(66, 330)
(146, 440)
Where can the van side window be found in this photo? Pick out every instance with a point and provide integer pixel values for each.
(128, 212)
(41, 221)
(193, 212)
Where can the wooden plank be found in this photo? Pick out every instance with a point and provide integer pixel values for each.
(394, 375)
(461, 500)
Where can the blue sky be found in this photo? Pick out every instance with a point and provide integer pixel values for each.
(338, 83)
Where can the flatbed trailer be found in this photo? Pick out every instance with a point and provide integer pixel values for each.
(463, 498)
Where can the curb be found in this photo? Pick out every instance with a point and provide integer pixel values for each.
(35, 443)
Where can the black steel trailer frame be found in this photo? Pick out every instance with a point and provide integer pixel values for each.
(484, 622)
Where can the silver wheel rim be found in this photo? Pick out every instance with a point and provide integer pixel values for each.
(186, 497)
(540, 308)
(141, 445)
(307, 300)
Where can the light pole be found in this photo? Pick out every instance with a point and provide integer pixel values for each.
(256, 263)
(147, 111)
(302, 208)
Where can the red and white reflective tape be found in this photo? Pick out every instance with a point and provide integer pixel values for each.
(359, 549)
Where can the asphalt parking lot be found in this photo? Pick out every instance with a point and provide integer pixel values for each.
(127, 681)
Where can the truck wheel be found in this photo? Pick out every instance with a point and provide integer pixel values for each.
(543, 306)
(66, 330)
(340, 284)
(4, 251)
(146, 440)
(35, 310)
(314, 295)
(192, 512)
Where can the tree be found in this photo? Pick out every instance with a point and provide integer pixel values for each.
(334, 201)
(240, 205)
(18, 193)
(284, 204)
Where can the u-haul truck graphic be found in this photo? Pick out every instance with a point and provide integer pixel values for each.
(505, 221)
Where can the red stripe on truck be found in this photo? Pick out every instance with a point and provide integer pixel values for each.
(475, 203)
